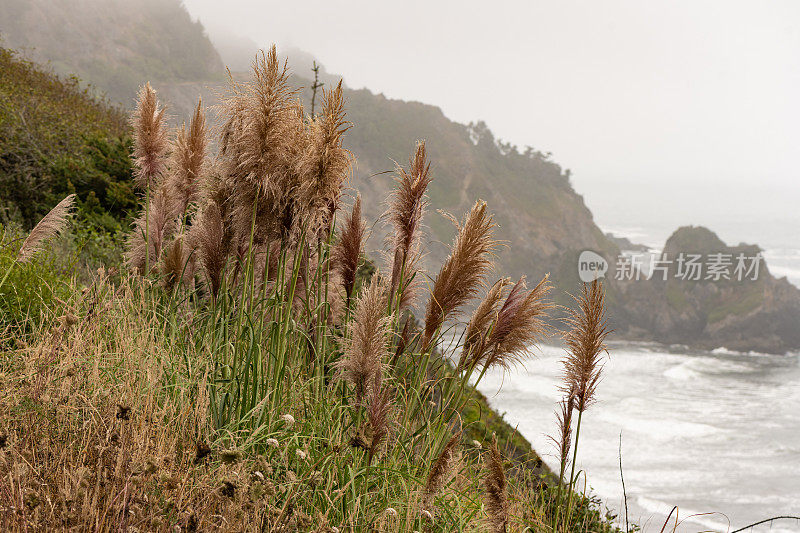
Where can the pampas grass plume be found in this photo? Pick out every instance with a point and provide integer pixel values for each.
(49, 226)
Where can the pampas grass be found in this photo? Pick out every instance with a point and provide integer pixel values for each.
(47, 228)
(406, 211)
(150, 145)
(463, 272)
(496, 497)
(379, 411)
(346, 254)
(485, 315)
(366, 349)
(563, 442)
(178, 265)
(323, 165)
(208, 238)
(585, 341)
(439, 472)
(519, 325)
(150, 149)
(188, 163)
(151, 231)
(260, 137)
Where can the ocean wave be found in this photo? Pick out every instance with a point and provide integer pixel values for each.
(682, 372)
(725, 351)
(659, 428)
(698, 368)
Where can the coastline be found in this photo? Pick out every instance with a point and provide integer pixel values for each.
(688, 421)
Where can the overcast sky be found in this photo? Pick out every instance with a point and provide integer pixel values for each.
(622, 92)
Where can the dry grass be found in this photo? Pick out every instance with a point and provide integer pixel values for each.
(94, 440)
(347, 252)
(150, 135)
(497, 507)
(188, 163)
(406, 212)
(585, 342)
(367, 346)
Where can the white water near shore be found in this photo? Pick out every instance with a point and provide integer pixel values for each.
(711, 432)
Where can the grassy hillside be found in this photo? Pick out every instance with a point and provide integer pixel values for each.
(56, 139)
(243, 371)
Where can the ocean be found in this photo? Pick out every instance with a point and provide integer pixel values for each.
(716, 434)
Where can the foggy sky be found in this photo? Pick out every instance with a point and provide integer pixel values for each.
(625, 93)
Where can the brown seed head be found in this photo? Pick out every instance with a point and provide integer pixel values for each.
(188, 163)
(520, 323)
(323, 164)
(162, 225)
(406, 211)
(150, 139)
(379, 408)
(585, 341)
(347, 252)
(477, 330)
(49, 226)
(178, 265)
(463, 272)
(440, 471)
(366, 349)
(496, 499)
(207, 236)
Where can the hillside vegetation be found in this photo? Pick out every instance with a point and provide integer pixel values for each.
(246, 369)
(55, 140)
